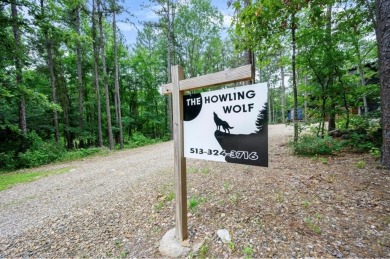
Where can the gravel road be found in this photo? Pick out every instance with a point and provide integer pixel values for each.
(87, 181)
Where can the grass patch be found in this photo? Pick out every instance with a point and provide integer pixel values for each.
(192, 170)
(305, 204)
(234, 198)
(8, 180)
(279, 198)
(170, 196)
(324, 160)
(227, 186)
(231, 246)
(194, 202)
(158, 206)
(165, 198)
(205, 170)
(248, 252)
(311, 225)
(361, 164)
(203, 251)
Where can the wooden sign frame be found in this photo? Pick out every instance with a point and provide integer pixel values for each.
(177, 89)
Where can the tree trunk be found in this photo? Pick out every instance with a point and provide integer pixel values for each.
(305, 100)
(347, 110)
(105, 77)
(249, 56)
(382, 8)
(95, 42)
(50, 64)
(117, 93)
(64, 100)
(355, 43)
(332, 113)
(169, 59)
(270, 104)
(332, 117)
(294, 76)
(18, 66)
(79, 70)
(282, 93)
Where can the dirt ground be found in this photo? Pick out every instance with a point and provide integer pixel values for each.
(336, 206)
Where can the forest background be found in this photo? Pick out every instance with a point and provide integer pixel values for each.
(70, 84)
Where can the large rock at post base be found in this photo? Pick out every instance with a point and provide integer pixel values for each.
(171, 247)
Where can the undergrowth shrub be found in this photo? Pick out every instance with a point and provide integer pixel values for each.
(18, 150)
(364, 132)
(7, 161)
(358, 143)
(40, 152)
(309, 145)
(33, 151)
(82, 152)
(137, 139)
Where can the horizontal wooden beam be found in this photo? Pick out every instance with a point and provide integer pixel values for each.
(228, 76)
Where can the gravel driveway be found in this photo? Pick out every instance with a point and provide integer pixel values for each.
(88, 181)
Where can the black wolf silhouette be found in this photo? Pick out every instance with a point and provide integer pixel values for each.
(222, 123)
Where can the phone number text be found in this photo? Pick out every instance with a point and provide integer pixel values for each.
(233, 153)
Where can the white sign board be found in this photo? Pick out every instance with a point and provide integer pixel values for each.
(228, 125)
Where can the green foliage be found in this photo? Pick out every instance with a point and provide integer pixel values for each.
(231, 246)
(170, 196)
(40, 152)
(33, 151)
(203, 251)
(364, 133)
(375, 152)
(194, 202)
(309, 145)
(305, 204)
(361, 164)
(83, 152)
(158, 206)
(279, 198)
(139, 140)
(324, 160)
(204, 170)
(310, 224)
(165, 198)
(358, 143)
(197, 26)
(248, 252)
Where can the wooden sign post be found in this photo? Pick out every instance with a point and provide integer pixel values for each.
(177, 89)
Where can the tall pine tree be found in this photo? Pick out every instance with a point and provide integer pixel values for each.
(262, 120)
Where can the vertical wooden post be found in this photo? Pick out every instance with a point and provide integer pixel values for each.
(179, 159)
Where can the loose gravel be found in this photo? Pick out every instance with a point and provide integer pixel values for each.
(87, 182)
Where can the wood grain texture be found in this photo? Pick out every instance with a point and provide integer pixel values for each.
(179, 159)
(239, 74)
